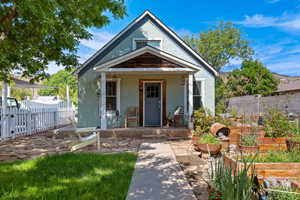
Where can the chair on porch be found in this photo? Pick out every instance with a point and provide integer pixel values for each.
(132, 115)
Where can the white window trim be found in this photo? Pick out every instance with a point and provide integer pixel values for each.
(118, 81)
(146, 39)
(203, 83)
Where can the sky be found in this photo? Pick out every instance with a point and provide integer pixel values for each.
(271, 26)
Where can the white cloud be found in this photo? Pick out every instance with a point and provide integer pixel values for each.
(53, 68)
(288, 65)
(289, 22)
(100, 38)
(282, 57)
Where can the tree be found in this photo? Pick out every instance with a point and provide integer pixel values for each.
(252, 78)
(221, 44)
(59, 82)
(34, 33)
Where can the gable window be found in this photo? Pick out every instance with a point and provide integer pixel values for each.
(142, 43)
(111, 95)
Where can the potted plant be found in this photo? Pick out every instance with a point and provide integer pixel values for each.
(248, 143)
(207, 143)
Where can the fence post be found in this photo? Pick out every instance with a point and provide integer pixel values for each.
(4, 119)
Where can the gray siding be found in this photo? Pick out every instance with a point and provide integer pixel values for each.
(88, 108)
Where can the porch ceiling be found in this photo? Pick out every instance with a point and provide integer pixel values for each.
(147, 59)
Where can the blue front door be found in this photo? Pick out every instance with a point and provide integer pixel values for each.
(152, 104)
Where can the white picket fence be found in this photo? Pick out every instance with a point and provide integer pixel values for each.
(31, 118)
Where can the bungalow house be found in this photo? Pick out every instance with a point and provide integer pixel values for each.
(146, 69)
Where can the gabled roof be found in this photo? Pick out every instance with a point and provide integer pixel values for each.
(151, 50)
(88, 63)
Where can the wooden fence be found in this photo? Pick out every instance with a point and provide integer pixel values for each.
(253, 105)
(31, 118)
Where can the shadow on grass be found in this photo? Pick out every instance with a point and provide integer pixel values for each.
(68, 176)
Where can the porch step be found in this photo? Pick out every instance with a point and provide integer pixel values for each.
(140, 132)
(154, 136)
(178, 138)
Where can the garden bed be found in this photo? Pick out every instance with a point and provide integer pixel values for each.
(236, 131)
(270, 144)
(268, 169)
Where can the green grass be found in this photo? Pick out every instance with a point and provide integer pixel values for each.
(208, 138)
(274, 156)
(68, 176)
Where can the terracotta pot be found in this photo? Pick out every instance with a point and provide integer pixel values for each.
(225, 145)
(213, 149)
(205, 148)
(248, 149)
(217, 128)
(292, 145)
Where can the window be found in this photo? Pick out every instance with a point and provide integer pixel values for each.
(111, 95)
(142, 43)
(197, 98)
(197, 94)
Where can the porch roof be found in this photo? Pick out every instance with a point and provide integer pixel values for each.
(183, 65)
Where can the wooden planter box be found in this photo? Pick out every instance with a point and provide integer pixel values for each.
(248, 149)
(292, 145)
(270, 144)
(237, 131)
(266, 170)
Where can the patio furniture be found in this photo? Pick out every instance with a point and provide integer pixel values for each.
(177, 117)
(87, 140)
(132, 115)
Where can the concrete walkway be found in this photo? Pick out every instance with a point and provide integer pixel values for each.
(158, 176)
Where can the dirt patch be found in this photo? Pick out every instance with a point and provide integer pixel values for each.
(29, 147)
(194, 166)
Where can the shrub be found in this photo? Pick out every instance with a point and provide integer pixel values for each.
(208, 138)
(278, 125)
(223, 120)
(203, 121)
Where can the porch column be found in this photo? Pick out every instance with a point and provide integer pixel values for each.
(103, 100)
(190, 100)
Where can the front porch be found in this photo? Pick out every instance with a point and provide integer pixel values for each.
(156, 86)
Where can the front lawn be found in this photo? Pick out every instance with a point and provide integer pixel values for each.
(68, 176)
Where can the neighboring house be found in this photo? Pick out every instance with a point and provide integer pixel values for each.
(146, 66)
